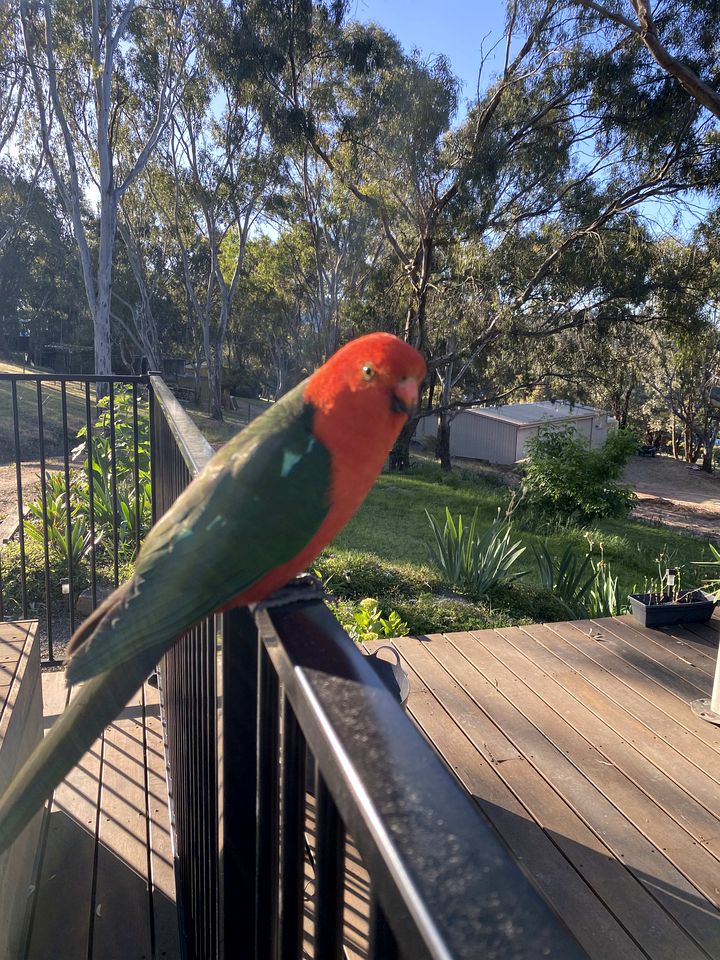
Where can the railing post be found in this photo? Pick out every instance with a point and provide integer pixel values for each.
(238, 786)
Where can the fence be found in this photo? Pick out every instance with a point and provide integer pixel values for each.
(55, 437)
(288, 762)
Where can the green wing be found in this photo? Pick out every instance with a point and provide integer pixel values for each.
(254, 507)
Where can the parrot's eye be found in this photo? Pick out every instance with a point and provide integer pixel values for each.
(368, 372)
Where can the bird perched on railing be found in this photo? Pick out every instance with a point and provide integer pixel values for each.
(261, 511)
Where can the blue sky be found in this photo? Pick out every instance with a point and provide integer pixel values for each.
(456, 28)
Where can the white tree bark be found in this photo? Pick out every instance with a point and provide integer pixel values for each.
(73, 143)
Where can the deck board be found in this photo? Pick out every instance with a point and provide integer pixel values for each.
(578, 743)
(105, 884)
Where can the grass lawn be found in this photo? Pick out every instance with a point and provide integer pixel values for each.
(389, 537)
(392, 524)
(217, 432)
(383, 552)
(28, 415)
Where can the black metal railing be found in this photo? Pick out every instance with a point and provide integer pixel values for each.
(80, 471)
(291, 765)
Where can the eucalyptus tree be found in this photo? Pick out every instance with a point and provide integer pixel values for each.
(549, 159)
(106, 78)
(680, 36)
(267, 335)
(40, 284)
(221, 171)
(13, 74)
(331, 248)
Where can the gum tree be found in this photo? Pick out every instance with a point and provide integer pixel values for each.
(106, 78)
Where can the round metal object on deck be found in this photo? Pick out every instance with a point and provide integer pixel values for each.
(701, 708)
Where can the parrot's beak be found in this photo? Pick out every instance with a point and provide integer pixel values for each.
(405, 396)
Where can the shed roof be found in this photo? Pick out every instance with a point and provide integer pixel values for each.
(545, 411)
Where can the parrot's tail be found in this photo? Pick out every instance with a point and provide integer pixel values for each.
(88, 627)
(96, 705)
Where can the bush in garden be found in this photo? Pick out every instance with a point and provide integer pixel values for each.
(130, 501)
(565, 478)
(474, 562)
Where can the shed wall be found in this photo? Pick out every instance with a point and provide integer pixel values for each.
(584, 428)
(482, 438)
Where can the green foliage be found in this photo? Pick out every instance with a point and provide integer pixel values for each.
(527, 601)
(130, 504)
(604, 597)
(568, 578)
(354, 575)
(565, 478)
(35, 577)
(428, 613)
(712, 582)
(471, 561)
(77, 540)
(366, 621)
(585, 587)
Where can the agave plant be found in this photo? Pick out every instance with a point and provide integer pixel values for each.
(604, 598)
(567, 577)
(474, 562)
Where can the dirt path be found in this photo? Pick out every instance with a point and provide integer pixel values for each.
(676, 495)
(30, 472)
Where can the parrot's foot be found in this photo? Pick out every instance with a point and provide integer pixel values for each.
(306, 586)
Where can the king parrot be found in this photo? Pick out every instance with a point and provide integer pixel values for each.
(262, 509)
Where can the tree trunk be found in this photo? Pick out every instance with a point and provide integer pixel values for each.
(443, 441)
(215, 386)
(400, 453)
(101, 320)
(420, 273)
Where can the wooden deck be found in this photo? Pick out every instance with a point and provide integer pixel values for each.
(578, 743)
(105, 885)
(20, 732)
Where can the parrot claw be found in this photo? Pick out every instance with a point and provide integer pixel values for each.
(306, 586)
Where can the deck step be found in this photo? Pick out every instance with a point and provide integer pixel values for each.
(20, 731)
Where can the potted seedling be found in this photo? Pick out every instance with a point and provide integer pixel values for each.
(665, 603)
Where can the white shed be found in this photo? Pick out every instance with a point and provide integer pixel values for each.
(499, 434)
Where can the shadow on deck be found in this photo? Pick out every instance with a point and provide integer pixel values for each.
(105, 884)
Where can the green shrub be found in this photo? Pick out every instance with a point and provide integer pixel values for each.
(365, 621)
(584, 587)
(474, 562)
(565, 478)
(530, 602)
(604, 598)
(567, 577)
(355, 575)
(35, 577)
(431, 614)
(130, 503)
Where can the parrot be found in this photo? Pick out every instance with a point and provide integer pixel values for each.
(259, 513)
